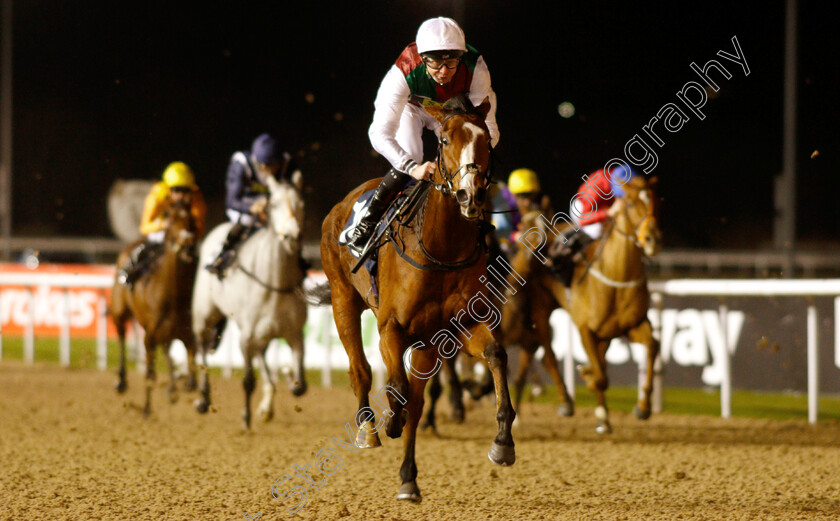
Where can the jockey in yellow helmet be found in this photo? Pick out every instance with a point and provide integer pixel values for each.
(177, 184)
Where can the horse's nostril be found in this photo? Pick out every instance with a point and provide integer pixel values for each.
(462, 197)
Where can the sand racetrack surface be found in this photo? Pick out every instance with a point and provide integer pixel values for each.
(72, 448)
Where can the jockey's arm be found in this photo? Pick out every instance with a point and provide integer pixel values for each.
(480, 88)
(389, 104)
(152, 219)
(237, 190)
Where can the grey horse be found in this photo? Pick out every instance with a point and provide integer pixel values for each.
(261, 293)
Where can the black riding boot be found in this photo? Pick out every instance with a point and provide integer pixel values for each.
(223, 261)
(563, 258)
(139, 261)
(387, 190)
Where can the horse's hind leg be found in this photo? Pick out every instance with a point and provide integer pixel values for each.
(298, 387)
(266, 407)
(456, 391)
(642, 334)
(190, 385)
(595, 375)
(347, 313)
(122, 384)
(208, 327)
(526, 355)
(392, 345)
(435, 390)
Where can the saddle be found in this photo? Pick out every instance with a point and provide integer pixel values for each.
(402, 209)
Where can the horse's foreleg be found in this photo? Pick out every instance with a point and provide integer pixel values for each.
(122, 384)
(424, 363)
(544, 333)
(643, 334)
(483, 344)
(392, 346)
(595, 375)
(171, 391)
(456, 391)
(347, 316)
(266, 407)
(249, 383)
(298, 387)
(151, 376)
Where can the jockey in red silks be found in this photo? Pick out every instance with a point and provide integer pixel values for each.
(591, 205)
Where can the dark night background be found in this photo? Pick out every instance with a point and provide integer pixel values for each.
(108, 90)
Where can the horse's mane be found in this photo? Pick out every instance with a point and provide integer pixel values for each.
(461, 104)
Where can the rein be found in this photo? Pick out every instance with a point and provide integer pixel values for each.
(446, 189)
(252, 276)
(632, 237)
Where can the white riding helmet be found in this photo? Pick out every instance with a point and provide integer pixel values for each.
(440, 34)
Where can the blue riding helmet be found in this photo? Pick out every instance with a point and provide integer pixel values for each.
(623, 172)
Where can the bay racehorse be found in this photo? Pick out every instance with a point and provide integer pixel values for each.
(160, 301)
(608, 297)
(261, 293)
(427, 279)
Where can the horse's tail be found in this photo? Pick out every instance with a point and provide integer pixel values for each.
(319, 295)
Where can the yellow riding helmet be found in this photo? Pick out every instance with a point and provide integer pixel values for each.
(523, 181)
(178, 174)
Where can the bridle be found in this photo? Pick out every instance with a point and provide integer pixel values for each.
(639, 232)
(446, 187)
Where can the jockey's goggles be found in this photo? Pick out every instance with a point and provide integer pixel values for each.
(437, 64)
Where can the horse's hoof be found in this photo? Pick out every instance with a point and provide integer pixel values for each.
(267, 416)
(458, 415)
(246, 420)
(121, 386)
(641, 413)
(502, 454)
(603, 427)
(410, 492)
(566, 410)
(298, 389)
(366, 438)
(201, 406)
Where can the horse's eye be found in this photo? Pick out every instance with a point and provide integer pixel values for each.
(444, 141)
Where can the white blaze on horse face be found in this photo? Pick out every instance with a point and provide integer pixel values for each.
(283, 211)
(468, 157)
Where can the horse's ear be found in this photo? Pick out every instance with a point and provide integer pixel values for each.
(439, 113)
(484, 108)
(297, 179)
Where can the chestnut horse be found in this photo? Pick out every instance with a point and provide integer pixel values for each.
(426, 280)
(608, 297)
(160, 302)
